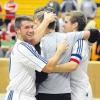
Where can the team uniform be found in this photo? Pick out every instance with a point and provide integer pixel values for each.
(79, 79)
(24, 61)
(57, 85)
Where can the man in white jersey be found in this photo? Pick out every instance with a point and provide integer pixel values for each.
(56, 86)
(25, 60)
(76, 21)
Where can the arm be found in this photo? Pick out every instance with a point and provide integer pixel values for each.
(40, 31)
(35, 61)
(66, 67)
(74, 60)
(86, 35)
(53, 60)
(92, 35)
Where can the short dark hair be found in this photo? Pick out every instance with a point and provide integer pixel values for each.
(76, 16)
(21, 18)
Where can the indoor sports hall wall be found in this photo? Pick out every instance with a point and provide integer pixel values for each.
(28, 6)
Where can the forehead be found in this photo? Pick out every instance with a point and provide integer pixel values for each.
(26, 23)
(67, 18)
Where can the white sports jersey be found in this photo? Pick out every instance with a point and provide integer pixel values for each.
(79, 79)
(58, 83)
(24, 61)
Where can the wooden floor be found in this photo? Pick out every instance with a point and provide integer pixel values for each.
(2, 97)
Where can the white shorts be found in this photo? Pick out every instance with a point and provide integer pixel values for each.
(12, 95)
(80, 94)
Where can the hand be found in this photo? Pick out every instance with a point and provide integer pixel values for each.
(94, 35)
(50, 17)
(62, 47)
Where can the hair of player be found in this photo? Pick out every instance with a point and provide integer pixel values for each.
(76, 16)
(19, 20)
(39, 14)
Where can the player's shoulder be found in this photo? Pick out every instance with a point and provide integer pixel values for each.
(82, 42)
(24, 45)
(49, 35)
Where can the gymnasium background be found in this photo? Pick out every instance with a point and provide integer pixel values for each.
(27, 7)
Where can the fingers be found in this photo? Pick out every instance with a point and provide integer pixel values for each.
(50, 17)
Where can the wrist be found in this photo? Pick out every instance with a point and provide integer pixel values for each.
(45, 22)
(58, 54)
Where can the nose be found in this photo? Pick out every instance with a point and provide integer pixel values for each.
(31, 29)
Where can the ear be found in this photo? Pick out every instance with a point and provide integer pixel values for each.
(75, 25)
(17, 30)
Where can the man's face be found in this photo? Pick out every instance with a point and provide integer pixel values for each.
(26, 30)
(68, 26)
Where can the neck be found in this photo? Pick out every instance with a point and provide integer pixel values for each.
(75, 30)
(19, 37)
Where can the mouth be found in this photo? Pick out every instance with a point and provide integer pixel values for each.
(29, 35)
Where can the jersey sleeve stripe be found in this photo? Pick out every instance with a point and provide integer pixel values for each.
(10, 96)
(76, 58)
(76, 55)
(34, 52)
(31, 60)
(80, 46)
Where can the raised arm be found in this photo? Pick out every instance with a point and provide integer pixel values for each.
(40, 31)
